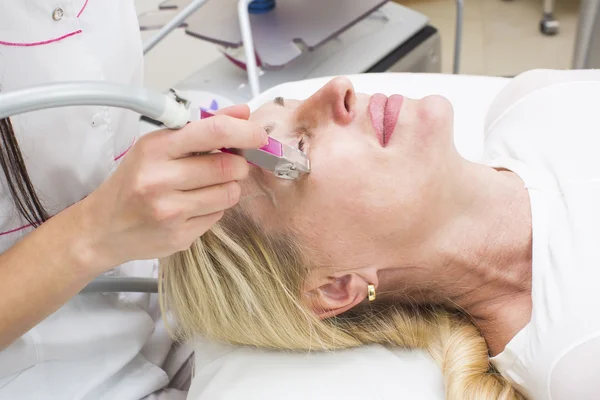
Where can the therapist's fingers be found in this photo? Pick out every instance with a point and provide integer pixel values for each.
(208, 200)
(195, 227)
(142, 210)
(198, 226)
(207, 170)
(215, 133)
(241, 111)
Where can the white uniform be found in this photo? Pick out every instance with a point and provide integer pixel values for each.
(545, 127)
(97, 346)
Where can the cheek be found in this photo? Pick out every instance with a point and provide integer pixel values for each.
(334, 234)
(340, 199)
(334, 190)
(342, 172)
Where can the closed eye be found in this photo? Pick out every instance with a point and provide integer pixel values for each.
(303, 133)
(301, 144)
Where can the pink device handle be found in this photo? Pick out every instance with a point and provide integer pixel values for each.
(273, 147)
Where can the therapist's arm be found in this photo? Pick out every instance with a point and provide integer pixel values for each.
(160, 199)
(42, 272)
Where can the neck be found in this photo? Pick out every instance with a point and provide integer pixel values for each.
(478, 261)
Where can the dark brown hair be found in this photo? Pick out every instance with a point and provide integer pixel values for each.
(19, 184)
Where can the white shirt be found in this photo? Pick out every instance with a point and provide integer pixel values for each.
(97, 346)
(545, 127)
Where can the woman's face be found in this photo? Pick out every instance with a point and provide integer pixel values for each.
(379, 170)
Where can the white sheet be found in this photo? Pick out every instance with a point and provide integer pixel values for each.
(471, 96)
(373, 372)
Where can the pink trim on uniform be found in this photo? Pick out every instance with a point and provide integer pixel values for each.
(58, 39)
(15, 230)
(117, 158)
(82, 8)
(41, 43)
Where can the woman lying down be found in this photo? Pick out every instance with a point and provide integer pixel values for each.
(394, 238)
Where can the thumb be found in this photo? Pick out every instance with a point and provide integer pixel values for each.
(239, 111)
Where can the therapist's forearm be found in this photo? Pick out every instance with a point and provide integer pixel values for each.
(42, 272)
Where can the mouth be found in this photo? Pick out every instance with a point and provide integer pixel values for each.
(384, 115)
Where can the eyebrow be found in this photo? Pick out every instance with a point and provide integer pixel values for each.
(279, 101)
(269, 127)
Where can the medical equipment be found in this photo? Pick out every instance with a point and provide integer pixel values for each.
(284, 161)
(301, 39)
(172, 110)
(549, 25)
(587, 42)
(106, 284)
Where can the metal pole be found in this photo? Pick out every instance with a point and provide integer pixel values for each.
(173, 24)
(458, 37)
(587, 39)
(246, 30)
(107, 284)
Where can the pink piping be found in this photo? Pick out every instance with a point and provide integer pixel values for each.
(31, 44)
(29, 225)
(41, 43)
(82, 8)
(15, 230)
(117, 158)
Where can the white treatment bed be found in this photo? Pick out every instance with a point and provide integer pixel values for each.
(373, 372)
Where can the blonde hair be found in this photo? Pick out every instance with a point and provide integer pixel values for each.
(237, 284)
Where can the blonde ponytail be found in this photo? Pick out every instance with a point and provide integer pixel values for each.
(238, 285)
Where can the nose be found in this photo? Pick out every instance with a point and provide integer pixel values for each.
(336, 100)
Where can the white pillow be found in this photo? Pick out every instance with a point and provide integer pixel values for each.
(471, 97)
(372, 372)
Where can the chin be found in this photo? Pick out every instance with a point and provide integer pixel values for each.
(435, 108)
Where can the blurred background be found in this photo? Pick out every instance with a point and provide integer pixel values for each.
(500, 38)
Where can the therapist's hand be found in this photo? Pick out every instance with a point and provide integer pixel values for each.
(163, 197)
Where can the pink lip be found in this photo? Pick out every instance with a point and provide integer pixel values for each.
(384, 115)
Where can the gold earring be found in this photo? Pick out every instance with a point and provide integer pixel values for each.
(371, 292)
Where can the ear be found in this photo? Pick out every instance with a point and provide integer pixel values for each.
(335, 295)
